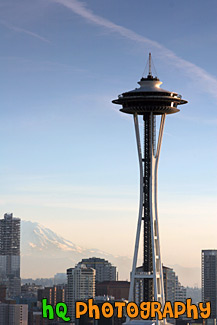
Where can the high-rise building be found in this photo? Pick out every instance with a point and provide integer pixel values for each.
(209, 279)
(148, 102)
(13, 314)
(54, 294)
(169, 277)
(10, 254)
(105, 271)
(173, 290)
(81, 286)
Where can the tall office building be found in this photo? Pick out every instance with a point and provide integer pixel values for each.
(10, 254)
(81, 286)
(173, 290)
(105, 271)
(209, 279)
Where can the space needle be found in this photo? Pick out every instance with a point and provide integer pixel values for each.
(145, 103)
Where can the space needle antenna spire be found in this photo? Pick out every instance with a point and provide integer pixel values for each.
(149, 63)
(145, 104)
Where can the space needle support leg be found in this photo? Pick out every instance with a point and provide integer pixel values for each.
(160, 137)
(132, 282)
(160, 285)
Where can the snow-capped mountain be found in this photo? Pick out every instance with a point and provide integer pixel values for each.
(44, 253)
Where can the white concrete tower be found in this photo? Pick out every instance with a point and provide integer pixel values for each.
(81, 286)
(148, 101)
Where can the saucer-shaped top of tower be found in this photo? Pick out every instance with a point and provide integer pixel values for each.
(149, 98)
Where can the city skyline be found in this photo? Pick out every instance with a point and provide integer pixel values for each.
(69, 158)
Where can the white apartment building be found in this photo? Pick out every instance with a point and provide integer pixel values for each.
(81, 286)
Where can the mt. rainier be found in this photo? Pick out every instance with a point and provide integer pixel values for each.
(44, 253)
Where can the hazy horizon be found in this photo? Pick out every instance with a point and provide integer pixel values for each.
(41, 246)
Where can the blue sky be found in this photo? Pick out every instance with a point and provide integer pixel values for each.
(68, 157)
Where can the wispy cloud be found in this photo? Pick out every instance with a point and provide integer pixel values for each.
(24, 31)
(197, 74)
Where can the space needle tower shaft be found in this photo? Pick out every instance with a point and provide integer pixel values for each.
(146, 103)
